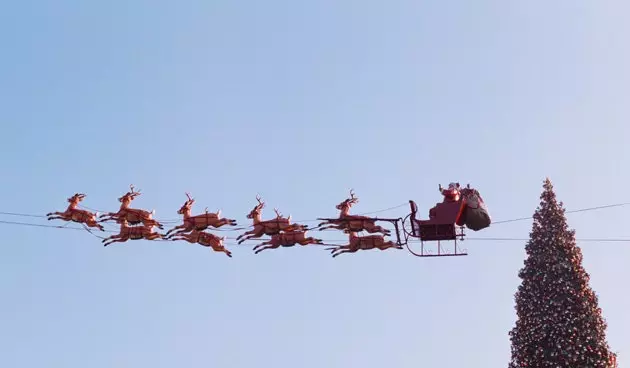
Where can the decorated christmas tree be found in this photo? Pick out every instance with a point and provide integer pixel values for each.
(559, 323)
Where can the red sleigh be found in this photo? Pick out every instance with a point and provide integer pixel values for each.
(461, 207)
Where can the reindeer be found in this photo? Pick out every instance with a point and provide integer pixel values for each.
(133, 216)
(287, 240)
(72, 213)
(267, 227)
(205, 239)
(363, 243)
(356, 223)
(132, 233)
(199, 222)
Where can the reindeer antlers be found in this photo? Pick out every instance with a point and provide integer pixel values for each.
(353, 198)
(133, 191)
(261, 204)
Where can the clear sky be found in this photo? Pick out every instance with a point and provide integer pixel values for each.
(299, 101)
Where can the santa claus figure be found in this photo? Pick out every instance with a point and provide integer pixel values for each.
(451, 194)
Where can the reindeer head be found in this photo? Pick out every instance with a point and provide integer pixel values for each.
(348, 203)
(257, 210)
(129, 196)
(76, 198)
(187, 205)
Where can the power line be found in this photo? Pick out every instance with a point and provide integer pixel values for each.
(573, 211)
(579, 240)
(40, 225)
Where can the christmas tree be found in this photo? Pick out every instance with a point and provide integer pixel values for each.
(559, 323)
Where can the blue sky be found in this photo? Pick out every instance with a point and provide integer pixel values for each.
(299, 101)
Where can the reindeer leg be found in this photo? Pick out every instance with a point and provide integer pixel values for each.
(261, 245)
(57, 218)
(383, 230)
(371, 228)
(107, 216)
(181, 237)
(267, 247)
(154, 223)
(328, 224)
(344, 250)
(332, 226)
(252, 234)
(226, 221)
(114, 239)
(110, 238)
(95, 224)
(219, 223)
(180, 230)
(222, 250)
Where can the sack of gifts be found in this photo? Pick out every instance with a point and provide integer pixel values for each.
(474, 213)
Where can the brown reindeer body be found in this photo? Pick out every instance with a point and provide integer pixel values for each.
(205, 239)
(268, 227)
(357, 243)
(132, 216)
(288, 239)
(198, 222)
(353, 223)
(72, 213)
(132, 233)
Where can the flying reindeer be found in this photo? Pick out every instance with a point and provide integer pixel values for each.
(288, 239)
(132, 233)
(355, 223)
(198, 222)
(72, 213)
(205, 239)
(133, 216)
(267, 227)
(357, 243)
